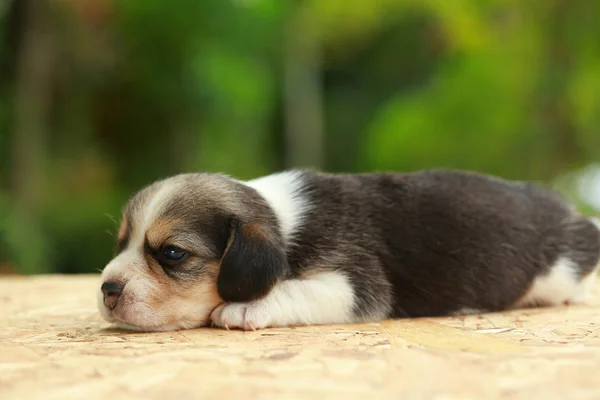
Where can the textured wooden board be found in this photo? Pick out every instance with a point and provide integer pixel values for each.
(54, 345)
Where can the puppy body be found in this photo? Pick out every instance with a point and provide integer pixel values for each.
(304, 247)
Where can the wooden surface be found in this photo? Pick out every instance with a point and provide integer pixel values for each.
(53, 345)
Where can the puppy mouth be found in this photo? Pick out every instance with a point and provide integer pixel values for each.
(113, 315)
(118, 316)
(105, 312)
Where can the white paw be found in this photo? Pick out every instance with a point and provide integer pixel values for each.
(246, 316)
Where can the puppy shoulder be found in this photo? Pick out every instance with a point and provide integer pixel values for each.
(286, 192)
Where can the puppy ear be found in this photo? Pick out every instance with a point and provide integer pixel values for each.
(252, 264)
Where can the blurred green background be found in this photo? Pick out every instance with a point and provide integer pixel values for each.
(101, 97)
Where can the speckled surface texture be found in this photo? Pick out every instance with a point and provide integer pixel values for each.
(54, 345)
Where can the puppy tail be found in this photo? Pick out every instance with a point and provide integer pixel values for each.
(596, 222)
(583, 244)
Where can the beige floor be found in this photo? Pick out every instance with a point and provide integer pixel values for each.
(53, 345)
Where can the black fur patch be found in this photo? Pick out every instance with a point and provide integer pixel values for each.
(251, 265)
(441, 240)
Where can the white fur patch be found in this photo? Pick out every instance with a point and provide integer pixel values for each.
(152, 207)
(560, 286)
(324, 298)
(280, 190)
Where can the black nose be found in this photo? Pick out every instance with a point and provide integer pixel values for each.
(112, 291)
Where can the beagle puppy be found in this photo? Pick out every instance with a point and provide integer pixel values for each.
(304, 247)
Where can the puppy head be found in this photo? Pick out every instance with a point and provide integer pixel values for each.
(185, 245)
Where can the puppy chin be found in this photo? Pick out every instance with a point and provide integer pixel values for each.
(133, 328)
(156, 328)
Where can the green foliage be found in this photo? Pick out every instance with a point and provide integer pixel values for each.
(505, 87)
(439, 122)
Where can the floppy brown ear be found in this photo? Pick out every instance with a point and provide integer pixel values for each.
(252, 264)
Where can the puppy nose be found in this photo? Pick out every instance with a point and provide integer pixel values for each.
(112, 291)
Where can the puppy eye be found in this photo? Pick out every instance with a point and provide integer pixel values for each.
(172, 255)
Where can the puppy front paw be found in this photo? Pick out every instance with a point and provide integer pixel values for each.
(246, 316)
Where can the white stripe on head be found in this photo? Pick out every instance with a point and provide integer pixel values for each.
(282, 193)
(152, 207)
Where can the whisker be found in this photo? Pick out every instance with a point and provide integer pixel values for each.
(113, 219)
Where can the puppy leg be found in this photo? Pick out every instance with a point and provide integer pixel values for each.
(324, 298)
(572, 278)
(560, 286)
(585, 288)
